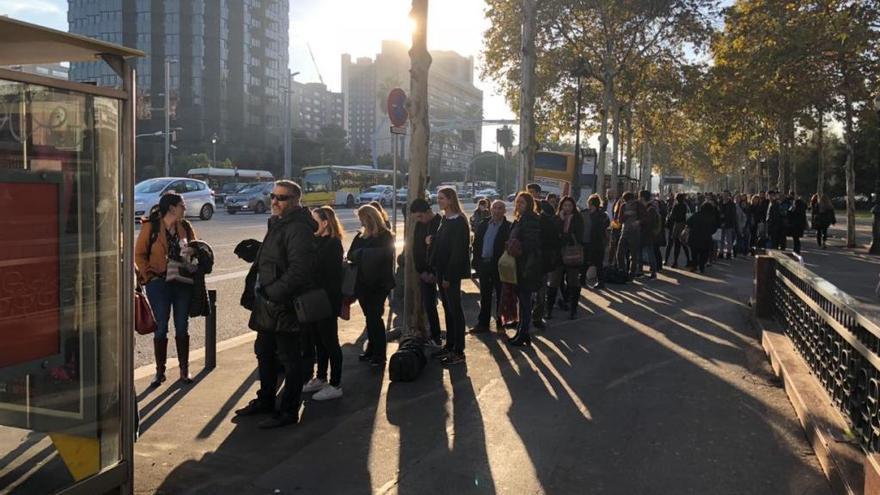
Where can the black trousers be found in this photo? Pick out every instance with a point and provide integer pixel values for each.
(490, 284)
(451, 298)
(822, 235)
(271, 349)
(323, 345)
(701, 257)
(429, 304)
(796, 244)
(373, 305)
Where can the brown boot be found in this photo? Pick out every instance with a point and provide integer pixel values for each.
(160, 348)
(183, 357)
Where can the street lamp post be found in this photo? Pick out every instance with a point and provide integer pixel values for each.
(875, 228)
(214, 150)
(579, 73)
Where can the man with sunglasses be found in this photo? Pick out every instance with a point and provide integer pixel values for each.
(284, 270)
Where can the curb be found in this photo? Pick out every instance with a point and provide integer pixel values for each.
(844, 463)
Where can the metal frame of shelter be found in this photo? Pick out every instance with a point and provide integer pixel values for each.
(24, 43)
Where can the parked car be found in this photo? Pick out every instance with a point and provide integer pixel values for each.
(381, 193)
(490, 194)
(402, 192)
(227, 189)
(199, 198)
(253, 198)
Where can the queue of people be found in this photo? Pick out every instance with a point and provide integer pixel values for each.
(301, 281)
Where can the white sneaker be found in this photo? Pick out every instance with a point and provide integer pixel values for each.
(327, 393)
(314, 385)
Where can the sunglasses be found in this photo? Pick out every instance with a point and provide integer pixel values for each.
(280, 197)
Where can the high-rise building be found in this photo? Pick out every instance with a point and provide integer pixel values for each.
(313, 107)
(228, 70)
(455, 104)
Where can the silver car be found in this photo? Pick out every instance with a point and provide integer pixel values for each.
(254, 198)
(199, 198)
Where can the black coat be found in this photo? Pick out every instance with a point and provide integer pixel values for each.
(677, 215)
(329, 270)
(701, 226)
(575, 232)
(199, 304)
(498, 247)
(797, 218)
(285, 268)
(529, 265)
(421, 251)
(449, 249)
(374, 258)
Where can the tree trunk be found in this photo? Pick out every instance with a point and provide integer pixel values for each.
(417, 108)
(850, 175)
(780, 163)
(527, 94)
(820, 165)
(629, 143)
(603, 147)
(645, 181)
(615, 154)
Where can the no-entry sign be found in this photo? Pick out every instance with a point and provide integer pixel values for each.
(397, 107)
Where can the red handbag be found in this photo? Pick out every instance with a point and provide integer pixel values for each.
(144, 320)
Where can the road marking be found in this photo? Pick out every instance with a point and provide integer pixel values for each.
(226, 276)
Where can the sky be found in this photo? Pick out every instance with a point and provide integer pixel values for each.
(334, 27)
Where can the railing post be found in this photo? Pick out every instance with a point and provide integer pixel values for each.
(211, 332)
(764, 274)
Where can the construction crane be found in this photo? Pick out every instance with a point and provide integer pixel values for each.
(320, 78)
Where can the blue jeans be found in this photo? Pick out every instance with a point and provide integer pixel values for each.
(163, 297)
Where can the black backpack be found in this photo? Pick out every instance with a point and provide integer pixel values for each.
(408, 362)
(614, 275)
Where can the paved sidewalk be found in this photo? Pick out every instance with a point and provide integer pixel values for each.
(659, 387)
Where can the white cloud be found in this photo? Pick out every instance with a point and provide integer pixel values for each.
(49, 13)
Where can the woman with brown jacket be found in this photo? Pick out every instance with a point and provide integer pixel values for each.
(162, 239)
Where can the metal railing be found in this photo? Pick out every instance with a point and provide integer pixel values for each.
(838, 337)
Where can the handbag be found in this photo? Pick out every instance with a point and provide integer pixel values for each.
(349, 279)
(507, 268)
(685, 235)
(572, 255)
(177, 271)
(144, 319)
(312, 306)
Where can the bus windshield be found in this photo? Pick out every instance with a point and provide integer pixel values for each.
(317, 180)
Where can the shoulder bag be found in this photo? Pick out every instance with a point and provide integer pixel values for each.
(349, 279)
(144, 320)
(572, 255)
(312, 306)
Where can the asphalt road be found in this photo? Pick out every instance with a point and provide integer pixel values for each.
(223, 232)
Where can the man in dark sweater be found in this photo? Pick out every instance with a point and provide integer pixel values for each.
(426, 225)
(489, 242)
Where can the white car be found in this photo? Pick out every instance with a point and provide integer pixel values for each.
(382, 193)
(199, 198)
(489, 194)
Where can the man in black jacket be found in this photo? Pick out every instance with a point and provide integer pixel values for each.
(489, 244)
(426, 226)
(284, 270)
(775, 224)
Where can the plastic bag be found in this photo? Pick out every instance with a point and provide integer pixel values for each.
(507, 269)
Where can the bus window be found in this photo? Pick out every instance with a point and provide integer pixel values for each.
(317, 181)
(550, 161)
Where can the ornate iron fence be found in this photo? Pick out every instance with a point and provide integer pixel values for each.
(837, 336)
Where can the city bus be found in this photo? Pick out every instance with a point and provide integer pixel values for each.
(217, 177)
(555, 172)
(339, 185)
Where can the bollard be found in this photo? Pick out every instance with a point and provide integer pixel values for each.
(211, 332)
(764, 275)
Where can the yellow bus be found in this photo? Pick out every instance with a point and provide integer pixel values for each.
(339, 185)
(555, 172)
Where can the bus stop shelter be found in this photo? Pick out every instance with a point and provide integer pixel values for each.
(66, 267)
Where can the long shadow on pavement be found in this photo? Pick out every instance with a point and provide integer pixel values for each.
(643, 398)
